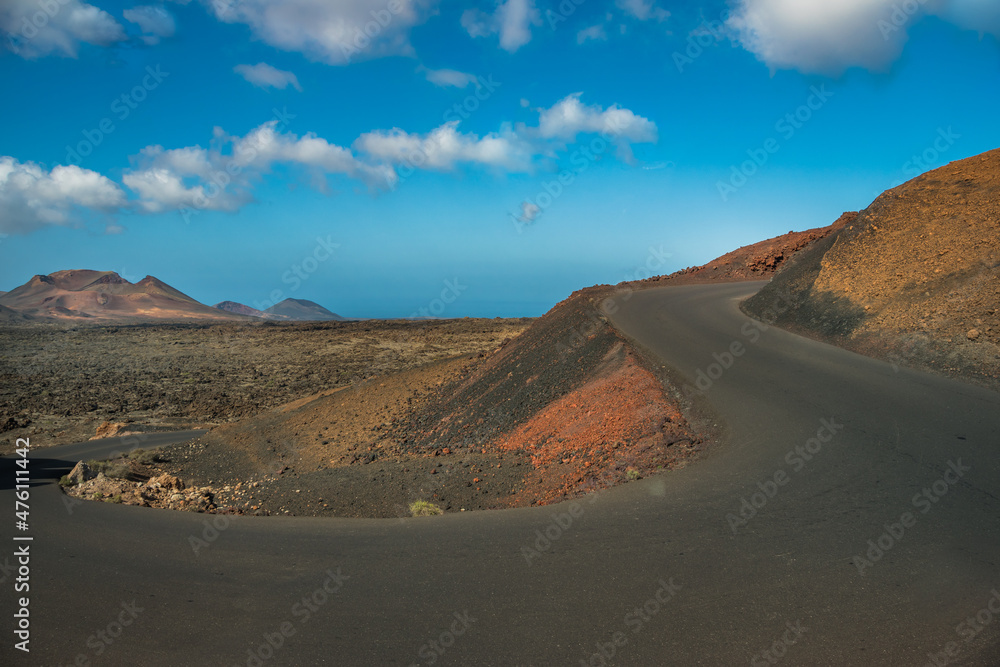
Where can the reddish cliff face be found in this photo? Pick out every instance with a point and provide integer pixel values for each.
(915, 278)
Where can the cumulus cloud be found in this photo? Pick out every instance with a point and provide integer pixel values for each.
(644, 10)
(445, 147)
(221, 178)
(31, 197)
(154, 21)
(34, 31)
(265, 76)
(569, 118)
(448, 77)
(336, 33)
(815, 36)
(514, 149)
(595, 32)
(512, 20)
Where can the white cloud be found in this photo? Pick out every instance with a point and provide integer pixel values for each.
(264, 76)
(34, 30)
(817, 36)
(445, 147)
(595, 32)
(569, 118)
(448, 77)
(223, 176)
(31, 197)
(644, 10)
(154, 21)
(336, 33)
(529, 212)
(512, 20)
(222, 180)
(514, 149)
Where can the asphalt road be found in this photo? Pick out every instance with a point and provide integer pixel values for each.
(664, 571)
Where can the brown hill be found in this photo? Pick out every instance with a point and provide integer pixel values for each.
(758, 261)
(85, 295)
(303, 310)
(913, 279)
(242, 309)
(8, 316)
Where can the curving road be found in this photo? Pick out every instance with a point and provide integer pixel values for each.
(828, 449)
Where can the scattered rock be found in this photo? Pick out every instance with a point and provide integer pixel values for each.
(81, 473)
(166, 482)
(973, 334)
(109, 430)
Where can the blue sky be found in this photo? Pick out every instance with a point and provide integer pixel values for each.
(371, 155)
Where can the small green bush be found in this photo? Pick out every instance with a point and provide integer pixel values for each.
(65, 481)
(632, 474)
(424, 508)
(145, 457)
(111, 469)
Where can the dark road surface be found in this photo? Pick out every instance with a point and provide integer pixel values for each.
(829, 451)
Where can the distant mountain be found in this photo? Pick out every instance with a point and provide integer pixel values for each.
(303, 310)
(10, 316)
(105, 296)
(241, 309)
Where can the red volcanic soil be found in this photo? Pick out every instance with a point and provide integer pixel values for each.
(618, 424)
(758, 261)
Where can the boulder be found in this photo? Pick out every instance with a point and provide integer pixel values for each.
(81, 473)
(165, 482)
(108, 430)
